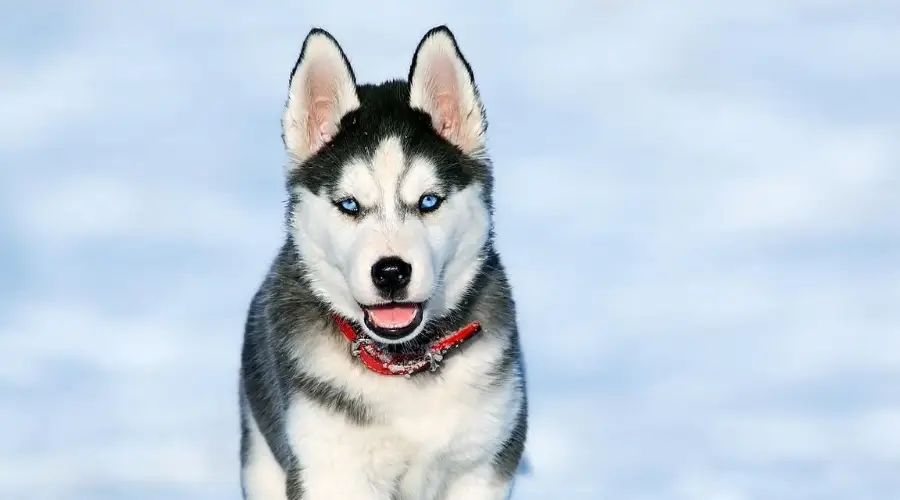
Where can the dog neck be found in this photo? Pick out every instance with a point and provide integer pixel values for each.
(381, 362)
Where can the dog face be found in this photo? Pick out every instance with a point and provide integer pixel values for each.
(390, 186)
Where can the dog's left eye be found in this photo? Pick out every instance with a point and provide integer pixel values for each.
(349, 206)
(429, 202)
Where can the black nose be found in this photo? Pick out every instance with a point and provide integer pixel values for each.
(391, 274)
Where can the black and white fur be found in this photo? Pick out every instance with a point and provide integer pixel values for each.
(316, 424)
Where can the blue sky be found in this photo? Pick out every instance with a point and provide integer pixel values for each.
(697, 203)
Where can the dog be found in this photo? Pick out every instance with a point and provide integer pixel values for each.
(381, 358)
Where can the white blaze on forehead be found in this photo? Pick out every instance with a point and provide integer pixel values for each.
(388, 164)
(374, 183)
(421, 178)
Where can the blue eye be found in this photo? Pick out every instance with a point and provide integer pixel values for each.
(429, 202)
(349, 206)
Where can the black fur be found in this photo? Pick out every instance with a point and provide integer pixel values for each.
(385, 111)
(285, 310)
(507, 461)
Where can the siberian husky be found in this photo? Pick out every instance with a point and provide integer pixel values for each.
(381, 359)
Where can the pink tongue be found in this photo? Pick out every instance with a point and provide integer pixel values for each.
(392, 316)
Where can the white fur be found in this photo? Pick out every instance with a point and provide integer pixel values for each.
(442, 247)
(479, 484)
(432, 439)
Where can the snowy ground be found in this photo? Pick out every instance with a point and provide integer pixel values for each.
(697, 201)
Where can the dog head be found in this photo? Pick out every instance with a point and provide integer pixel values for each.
(390, 186)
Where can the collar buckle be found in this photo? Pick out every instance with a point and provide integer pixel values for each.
(434, 360)
(357, 345)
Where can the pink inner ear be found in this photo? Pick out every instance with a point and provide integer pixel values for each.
(446, 115)
(442, 87)
(321, 126)
(321, 104)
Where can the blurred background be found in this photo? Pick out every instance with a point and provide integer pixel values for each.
(698, 203)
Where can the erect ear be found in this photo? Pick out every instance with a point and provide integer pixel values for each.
(441, 84)
(322, 90)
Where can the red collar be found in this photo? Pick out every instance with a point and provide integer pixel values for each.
(395, 364)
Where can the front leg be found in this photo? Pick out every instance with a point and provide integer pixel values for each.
(332, 469)
(340, 459)
(332, 483)
(482, 483)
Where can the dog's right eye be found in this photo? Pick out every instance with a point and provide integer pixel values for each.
(349, 206)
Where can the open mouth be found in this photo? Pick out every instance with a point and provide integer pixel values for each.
(393, 320)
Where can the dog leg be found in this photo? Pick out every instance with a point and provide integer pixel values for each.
(424, 482)
(339, 459)
(262, 478)
(482, 483)
(335, 470)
